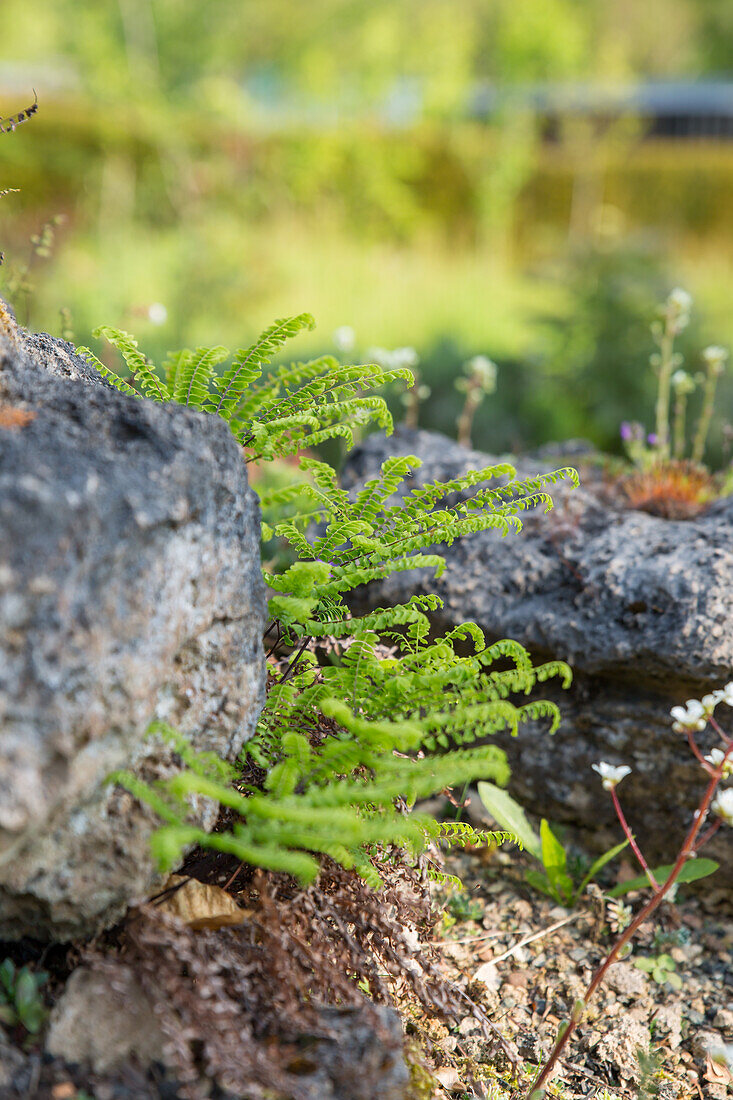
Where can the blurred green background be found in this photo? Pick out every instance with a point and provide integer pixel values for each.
(454, 175)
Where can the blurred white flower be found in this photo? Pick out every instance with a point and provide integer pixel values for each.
(678, 306)
(157, 313)
(344, 338)
(680, 300)
(419, 391)
(404, 357)
(683, 382)
(484, 370)
(716, 757)
(722, 805)
(378, 355)
(393, 360)
(611, 774)
(715, 358)
(690, 718)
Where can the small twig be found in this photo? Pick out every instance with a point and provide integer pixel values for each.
(470, 939)
(291, 667)
(537, 936)
(231, 878)
(163, 895)
(489, 1026)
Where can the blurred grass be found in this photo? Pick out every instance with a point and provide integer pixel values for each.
(456, 239)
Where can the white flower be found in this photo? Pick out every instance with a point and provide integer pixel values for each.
(344, 338)
(484, 371)
(680, 300)
(725, 695)
(710, 701)
(722, 1055)
(392, 360)
(715, 358)
(378, 355)
(418, 391)
(157, 313)
(683, 382)
(677, 310)
(679, 304)
(611, 775)
(716, 757)
(722, 805)
(404, 357)
(689, 719)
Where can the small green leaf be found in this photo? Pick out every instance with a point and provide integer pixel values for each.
(555, 863)
(598, 865)
(539, 881)
(7, 975)
(645, 964)
(26, 989)
(510, 815)
(692, 871)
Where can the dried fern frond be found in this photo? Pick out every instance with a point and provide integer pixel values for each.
(7, 125)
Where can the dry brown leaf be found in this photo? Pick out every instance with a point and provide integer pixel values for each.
(715, 1074)
(449, 1078)
(200, 906)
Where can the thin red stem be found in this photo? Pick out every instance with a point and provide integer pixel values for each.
(708, 835)
(723, 736)
(699, 756)
(630, 837)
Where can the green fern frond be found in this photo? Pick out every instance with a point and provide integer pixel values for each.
(106, 372)
(139, 366)
(194, 373)
(393, 713)
(248, 363)
(175, 361)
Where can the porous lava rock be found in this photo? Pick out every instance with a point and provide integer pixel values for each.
(642, 609)
(130, 590)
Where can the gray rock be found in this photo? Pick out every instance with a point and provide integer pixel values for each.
(363, 1057)
(130, 589)
(621, 1044)
(641, 607)
(12, 1063)
(103, 1024)
(356, 1055)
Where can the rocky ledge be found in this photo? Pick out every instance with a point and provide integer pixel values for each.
(130, 590)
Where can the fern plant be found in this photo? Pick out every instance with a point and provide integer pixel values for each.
(369, 713)
(295, 406)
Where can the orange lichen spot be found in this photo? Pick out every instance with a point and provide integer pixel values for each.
(13, 418)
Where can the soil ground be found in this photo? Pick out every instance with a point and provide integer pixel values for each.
(525, 960)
